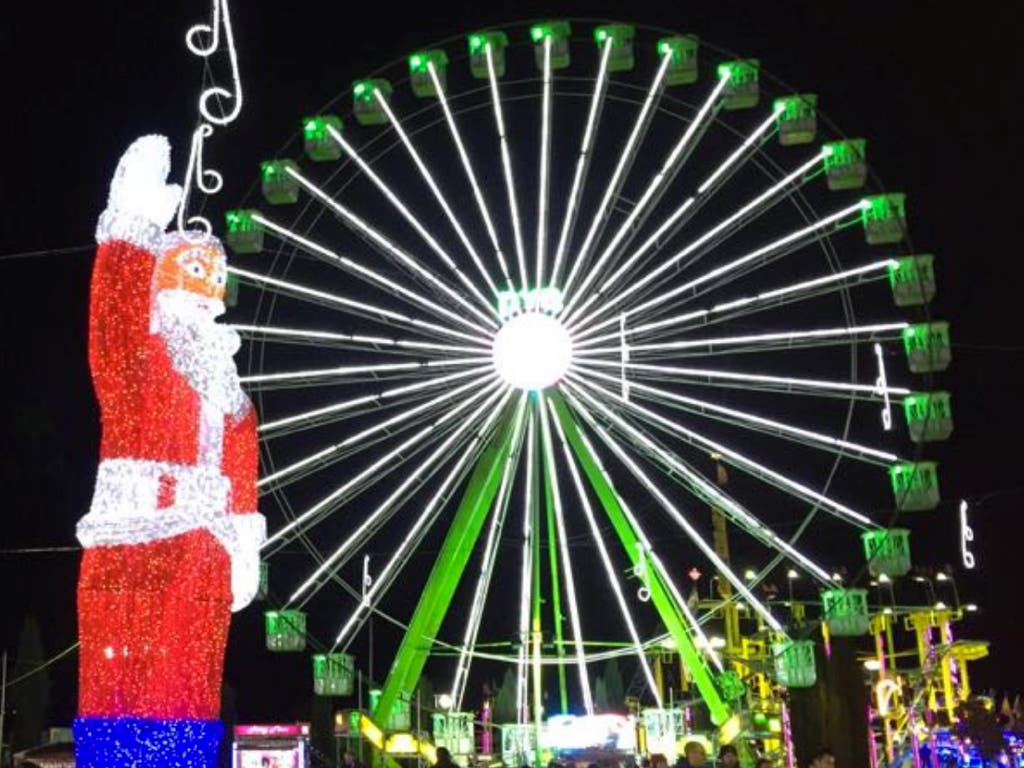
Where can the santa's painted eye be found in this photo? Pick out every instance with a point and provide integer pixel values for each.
(219, 279)
(196, 269)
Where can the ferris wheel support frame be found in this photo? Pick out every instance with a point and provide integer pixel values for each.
(460, 543)
(458, 547)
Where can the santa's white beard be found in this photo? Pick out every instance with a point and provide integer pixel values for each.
(201, 350)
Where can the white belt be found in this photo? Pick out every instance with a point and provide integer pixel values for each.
(124, 506)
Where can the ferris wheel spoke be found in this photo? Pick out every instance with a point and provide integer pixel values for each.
(387, 508)
(583, 159)
(436, 190)
(654, 191)
(376, 372)
(680, 519)
(626, 159)
(609, 569)
(488, 559)
(686, 210)
(406, 419)
(756, 381)
(721, 275)
(327, 503)
(730, 456)
(390, 249)
(707, 241)
(349, 341)
(712, 495)
(647, 547)
(526, 571)
(386, 578)
(551, 477)
(759, 342)
(467, 166)
(747, 305)
(401, 207)
(361, 308)
(506, 164)
(545, 165)
(747, 420)
(335, 411)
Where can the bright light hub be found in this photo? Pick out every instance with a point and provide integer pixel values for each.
(532, 351)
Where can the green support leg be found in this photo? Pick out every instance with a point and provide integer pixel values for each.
(556, 589)
(456, 551)
(671, 614)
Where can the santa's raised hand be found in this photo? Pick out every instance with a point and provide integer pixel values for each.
(140, 187)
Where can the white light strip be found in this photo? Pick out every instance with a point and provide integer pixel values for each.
(365, 529)
(545, 162)
(747, 144)
(614, 183)
(429, 179)
(397, 202)
(381, 426)
(583, 160)
(634, 523)
(358, 306)
(699, 406)
(758, 470)
(526, 577)
(688, 203)
(490, 555)
(375, 467)
(274, 332)
(467, 166)
(713, 496)
(758, 338)
(680, 519)
(609, 569)
(758, 378)
(340, 371)
(506, 165)
(386, 577)
(370, 274)
(746, 301)
(722, 270)
(401, 255)
(672, 261)
(270, 426)
(551, 475)
(652, 188)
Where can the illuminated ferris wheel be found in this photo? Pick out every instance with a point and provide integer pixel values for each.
(519, 306)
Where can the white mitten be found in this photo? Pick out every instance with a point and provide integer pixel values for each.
(140, 185)
(251, 532)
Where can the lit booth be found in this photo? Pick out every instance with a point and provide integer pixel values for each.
(283, 745)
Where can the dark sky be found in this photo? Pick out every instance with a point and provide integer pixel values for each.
(937, 93)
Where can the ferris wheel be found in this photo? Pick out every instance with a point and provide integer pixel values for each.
(521, 299)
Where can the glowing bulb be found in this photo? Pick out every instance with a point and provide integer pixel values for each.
(716, 642)
(940, 606)
(941, 577)
(872, 665)
(445, 701)
(971, 607)
(883, 579)
(791, 574)
(749, 574)
(532, 351)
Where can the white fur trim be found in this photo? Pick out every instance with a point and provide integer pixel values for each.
(124, 504)
(132, 228)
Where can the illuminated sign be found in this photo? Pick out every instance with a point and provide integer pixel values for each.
(273, 731)
(609, 732)
(511, 303)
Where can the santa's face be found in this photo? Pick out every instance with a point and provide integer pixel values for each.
(199, 269)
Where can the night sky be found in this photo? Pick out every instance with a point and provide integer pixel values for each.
(936, 92)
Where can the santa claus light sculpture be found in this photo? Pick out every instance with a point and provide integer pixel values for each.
(172, 536)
